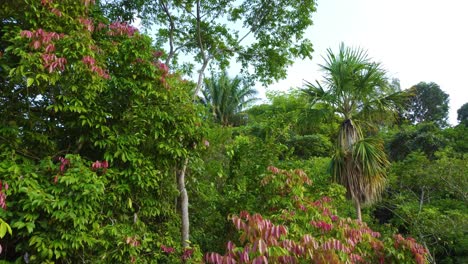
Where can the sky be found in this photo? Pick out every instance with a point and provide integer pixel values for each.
(415, 40)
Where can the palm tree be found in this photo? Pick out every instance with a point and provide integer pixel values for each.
(226, 97)
(357, 90)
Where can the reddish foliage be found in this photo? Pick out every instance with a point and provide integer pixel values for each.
(3, 187)
(419, 252)
(87, 23)
(52, 62)
(100, 165)
(188, 252)
(324, 226)
(120, 29)
(64, 164)
(167, 250)
(91, 63)
(158, 54)
(330, 240)
(44, 37)
(48, 5)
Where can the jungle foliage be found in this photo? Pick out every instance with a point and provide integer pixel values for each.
(97, 118)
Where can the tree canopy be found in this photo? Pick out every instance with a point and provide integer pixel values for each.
(263, 36)
(462, 114)
(427, 103)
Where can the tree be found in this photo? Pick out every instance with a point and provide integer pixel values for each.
(463, 114)
(92, 127)
(357, 90)
(427, 103)
(226, 97)
(267, 35)
(425, 137)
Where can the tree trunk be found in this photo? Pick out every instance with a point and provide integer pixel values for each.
(358, 209)
(421, 200)
(200, 78)
(184, 205)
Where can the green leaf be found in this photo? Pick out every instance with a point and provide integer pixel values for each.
(29, 82)
(130, 203)
(30, 227)
(3, 229)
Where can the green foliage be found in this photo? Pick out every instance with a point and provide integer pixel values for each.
(227, 97)
(462, 114)
(292, 111)
(223, 182)
(427, 103)
(319, 170)
(303, 128)
(425, 137)
(77, 88)
(4, 228)
(427, 200)
(310, 145)
(457, 139)
(68, 198)
(264, 36)
(94, 128)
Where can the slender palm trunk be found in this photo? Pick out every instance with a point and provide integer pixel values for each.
(357, 204)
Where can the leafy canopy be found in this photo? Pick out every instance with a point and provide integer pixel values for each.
(265, 37)
(427, 103)
(462, 114)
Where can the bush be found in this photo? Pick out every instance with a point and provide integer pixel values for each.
(302, 230)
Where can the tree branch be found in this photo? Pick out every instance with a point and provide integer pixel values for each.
(165, 8)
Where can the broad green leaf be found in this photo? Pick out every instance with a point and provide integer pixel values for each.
(29, 82)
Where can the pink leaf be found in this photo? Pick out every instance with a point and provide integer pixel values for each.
(260, 260)
(244, 257)
(230, 246)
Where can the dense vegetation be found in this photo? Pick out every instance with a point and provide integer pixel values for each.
(108, 155)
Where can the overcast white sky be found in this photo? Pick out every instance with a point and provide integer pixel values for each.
(415, 40)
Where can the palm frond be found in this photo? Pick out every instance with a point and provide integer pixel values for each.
(315, 92)
(372, 162)
(384, 108)
(227, 97)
